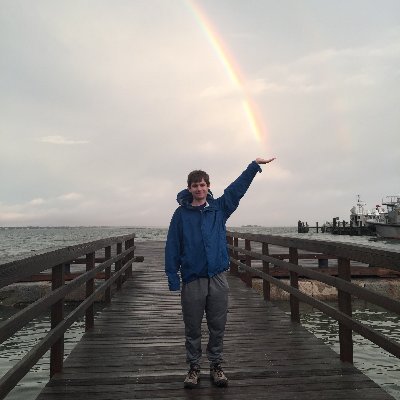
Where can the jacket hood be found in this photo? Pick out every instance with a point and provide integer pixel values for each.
(185, 198)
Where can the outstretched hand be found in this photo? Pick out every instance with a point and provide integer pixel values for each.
(264, 160)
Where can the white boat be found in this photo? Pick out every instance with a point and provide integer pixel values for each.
(388, 225)
(360, 216)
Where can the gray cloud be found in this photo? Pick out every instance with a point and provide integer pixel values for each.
(56, 139)
(104, 109)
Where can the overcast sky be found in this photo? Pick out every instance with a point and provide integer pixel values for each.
(105, 106)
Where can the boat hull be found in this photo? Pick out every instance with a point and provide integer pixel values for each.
(390, 231)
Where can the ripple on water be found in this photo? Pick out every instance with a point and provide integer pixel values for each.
(379, 365)
(16, 347)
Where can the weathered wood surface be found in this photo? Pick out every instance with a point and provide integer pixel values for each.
(17, 270)
(362, 253)
(136, 350)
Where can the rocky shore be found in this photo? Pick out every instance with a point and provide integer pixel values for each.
(321, 291)
(20, 294)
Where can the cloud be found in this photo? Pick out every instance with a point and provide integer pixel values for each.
(70, 196)
(36, 202)
(220, 92)
(250, 87)
(156, 102)
(39, 209)
(12, 217)
(331, 69)
(60, 140)
(278, 173)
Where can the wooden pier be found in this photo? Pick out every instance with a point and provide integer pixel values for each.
(338, 227)
(136, 350)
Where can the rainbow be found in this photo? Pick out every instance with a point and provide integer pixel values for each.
(250, 108)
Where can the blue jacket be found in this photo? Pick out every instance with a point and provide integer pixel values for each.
(196, 241)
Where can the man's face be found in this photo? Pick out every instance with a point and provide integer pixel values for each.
(199, 191)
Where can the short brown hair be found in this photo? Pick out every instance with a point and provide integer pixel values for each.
(197, 176)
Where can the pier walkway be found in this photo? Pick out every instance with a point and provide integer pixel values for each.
(136, 350)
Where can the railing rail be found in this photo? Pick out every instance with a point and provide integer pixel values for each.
(56, 260)
(345, 253)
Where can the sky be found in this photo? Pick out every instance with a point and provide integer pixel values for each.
(106, 106)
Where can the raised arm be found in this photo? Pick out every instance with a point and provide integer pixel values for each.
(236, 190)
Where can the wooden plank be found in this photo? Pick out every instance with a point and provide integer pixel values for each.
(136, 350)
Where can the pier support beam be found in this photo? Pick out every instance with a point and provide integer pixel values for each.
(344, 299)
(248, 275)
(89, 316)
(294, 282)
(128, 244)
(107, 275)
(57, 315)
(266, 284)
(118, 266)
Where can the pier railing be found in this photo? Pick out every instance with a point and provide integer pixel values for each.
(115, 250)
(240, 245)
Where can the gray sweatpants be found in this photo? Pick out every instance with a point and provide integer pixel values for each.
(209, 295)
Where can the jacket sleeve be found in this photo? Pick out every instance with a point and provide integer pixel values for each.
(236, 190)
(173, 252)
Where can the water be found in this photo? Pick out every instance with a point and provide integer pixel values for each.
(379, 365)
(16, 243)
(369, 241)
(16, 347)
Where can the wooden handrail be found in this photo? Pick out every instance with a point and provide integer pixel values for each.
(358, 291)
(344, 252)
(23, 317)
(370, 255)
(54, 339)
(14, 271)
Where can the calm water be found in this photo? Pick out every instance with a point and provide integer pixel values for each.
(12, 350)
(18, 243)
(377, 364)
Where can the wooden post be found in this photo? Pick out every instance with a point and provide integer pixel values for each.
(323, 263)
(89, 317)
(344, 299)
(294, 282)
(67, 268)
(57, 315)
(132, 243)
(107, 275)
(124, 261)
(316, 225)
(229, 240)
(248, 275)
(266, 284)
(118, 266)
(235, 268)
(128, 244)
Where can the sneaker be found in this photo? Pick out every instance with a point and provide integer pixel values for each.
(217, 375)
(193, 377)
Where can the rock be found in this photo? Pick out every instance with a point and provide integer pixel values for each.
(321, 291)
(26, 292)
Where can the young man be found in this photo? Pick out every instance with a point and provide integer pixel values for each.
(196, 247)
